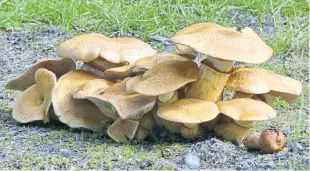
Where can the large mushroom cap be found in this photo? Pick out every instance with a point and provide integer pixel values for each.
(243, 46)
(123, 130)
(88, 47)
(188, 110)
(27, 79)
(149, 61)
(76, 113)
(164, 77)
(33, 104)
(194, 29)
(243, 109)
(259, 81)
(126, 105)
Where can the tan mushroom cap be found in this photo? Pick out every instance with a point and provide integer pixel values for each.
(164, 77)
(88, 47)
(76, 113)
(33, 104)
(199, 27)
(149, 61)
(243, 46)
(126, 105)
(119, 73)
(188, 110)
(260, 81)
(102, 64)
(27, 79)
(123, 130)
(243, 109)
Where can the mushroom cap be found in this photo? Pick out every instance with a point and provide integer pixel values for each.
(149, 61)
(188, 110)
(123, 130)
(119, 72)
(164, 77)
(33, 104)
(127, 105)
(272, 140)
(76, 113)
(260, 81)
(102, 64)
(27, 79)
(88, 47)
(243, 109)
(243, 46)
(194, 29)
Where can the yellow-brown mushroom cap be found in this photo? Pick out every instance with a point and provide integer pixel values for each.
(188, 110)
(119, 73)
(164, 77)
(149, 61)
(88, 47)
(243, 46)
(127, 105)
(76, 113)
(27, 79)
(33, 104)
(123, 130)
(243, 109)
(260, 81)
(102, 64)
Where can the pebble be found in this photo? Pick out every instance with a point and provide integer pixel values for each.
(192, 161)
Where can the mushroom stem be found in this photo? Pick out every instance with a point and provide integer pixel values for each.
(212, 81)
(191, 132)
(167, 98)
(190, 125)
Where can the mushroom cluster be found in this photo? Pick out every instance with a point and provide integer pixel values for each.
(126, 88)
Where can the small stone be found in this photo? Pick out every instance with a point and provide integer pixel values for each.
(145, 164)
(192, 161)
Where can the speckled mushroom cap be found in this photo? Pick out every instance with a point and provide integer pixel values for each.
(243, 109)
(127, 105)
(27, 79)
(76, 113)
(119, 73)
(164, 77)
(123, 130)
(88, 47)
(33, 104)
(188, 110)
(194, 29)
(260, 81)
(243, 46)
(149, 61)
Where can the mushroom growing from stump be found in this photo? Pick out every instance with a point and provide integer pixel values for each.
(33, 104)
(77, 113)
(89, 47)
(258, 83)
(163, 80)
(58, 66)
(242, 112)
(189, 112)
(223, 46)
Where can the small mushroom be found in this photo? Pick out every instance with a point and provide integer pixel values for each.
(33, 104)
(263, 83)
(58, 66)
(123, 130)
(77, 113)
(190, 112)
(272, 141)
(243, 111)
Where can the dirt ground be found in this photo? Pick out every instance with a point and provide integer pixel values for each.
(55, 146)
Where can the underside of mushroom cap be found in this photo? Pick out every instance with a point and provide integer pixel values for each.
(123, 130)
(76, 113)
(188, 110)
(102, 64)
(149, 61)
(33, 104)
(259, 81)
(163, 78)
(243, 109)
(127, 105)
(243, 46)
(58, 66)
(119, 73)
